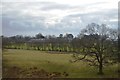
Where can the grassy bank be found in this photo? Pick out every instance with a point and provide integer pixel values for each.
(57, 62)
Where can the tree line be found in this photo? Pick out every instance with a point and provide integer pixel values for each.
(39, 42)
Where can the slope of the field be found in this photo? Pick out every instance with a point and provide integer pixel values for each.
(52, 62)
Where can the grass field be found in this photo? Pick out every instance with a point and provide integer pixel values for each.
(40, 60)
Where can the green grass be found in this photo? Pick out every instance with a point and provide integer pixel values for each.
(53, 63)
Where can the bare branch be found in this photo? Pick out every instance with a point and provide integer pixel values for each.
(97, 56)
(77, 58)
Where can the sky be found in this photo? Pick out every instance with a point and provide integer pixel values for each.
(54, 17)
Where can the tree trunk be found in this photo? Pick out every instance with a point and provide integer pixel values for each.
(101, 60)
(100, 68)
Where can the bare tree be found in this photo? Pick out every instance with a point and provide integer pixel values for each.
(98, 46)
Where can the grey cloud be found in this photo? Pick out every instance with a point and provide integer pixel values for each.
(29, 25)
(96, 3)
(98, 17)
(40, 5)
(17, 26)
(52, 6)
(13, 22)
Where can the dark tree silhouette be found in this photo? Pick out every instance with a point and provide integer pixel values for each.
(39, 35)
(61, 35)
(98, 46)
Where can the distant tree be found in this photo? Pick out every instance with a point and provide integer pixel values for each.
(1, 42)
(61, 35)
(76, 43)
(99, 43)
(119, 49)
(69, 37)
(27, 38)
(39, 35)
(5, 42)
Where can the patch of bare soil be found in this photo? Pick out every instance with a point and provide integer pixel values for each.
(34, 72)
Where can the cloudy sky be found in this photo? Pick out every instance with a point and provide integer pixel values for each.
(55, 16)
